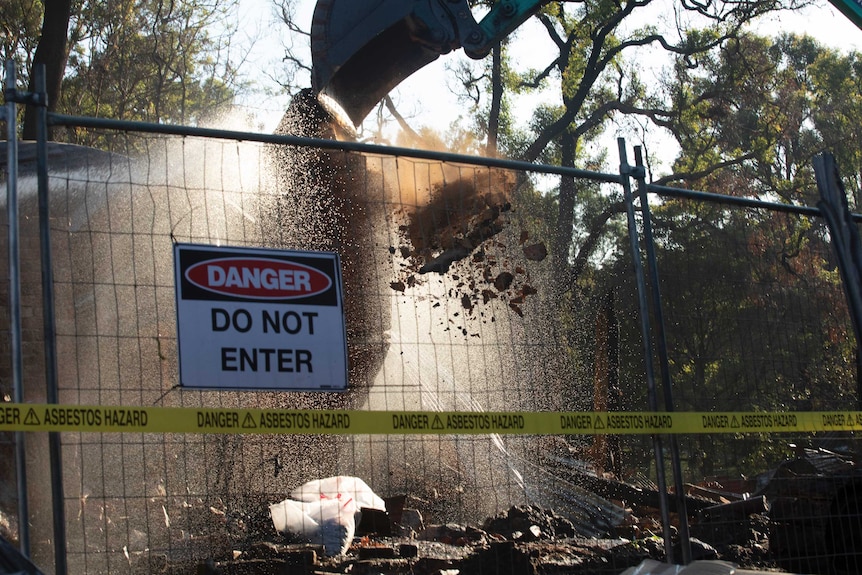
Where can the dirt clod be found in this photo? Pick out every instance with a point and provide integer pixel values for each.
(458, 233)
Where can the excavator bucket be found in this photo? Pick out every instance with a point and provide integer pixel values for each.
(362, 49)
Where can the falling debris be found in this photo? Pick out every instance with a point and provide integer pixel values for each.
(503, 281)
(466, 302)
(536, 252)
(458, 233)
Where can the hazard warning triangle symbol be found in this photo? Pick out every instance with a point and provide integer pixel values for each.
(248, 422)
(598, 424)
(437, 423)
(31, 418)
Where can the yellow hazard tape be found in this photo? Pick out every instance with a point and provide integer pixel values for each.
(83, 418)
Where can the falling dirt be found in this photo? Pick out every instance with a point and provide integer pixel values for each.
(458, 233)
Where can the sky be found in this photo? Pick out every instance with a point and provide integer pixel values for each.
(428, 97)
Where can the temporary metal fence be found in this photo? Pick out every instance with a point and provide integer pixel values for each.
(728, 311)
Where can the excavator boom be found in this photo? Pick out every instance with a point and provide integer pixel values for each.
(362, 49)
(850, 8)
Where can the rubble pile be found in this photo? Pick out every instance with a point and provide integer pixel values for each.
(522, 540)
(733, 525)
(749, 529)
(434, 550)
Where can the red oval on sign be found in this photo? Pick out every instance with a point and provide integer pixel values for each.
(259, 278)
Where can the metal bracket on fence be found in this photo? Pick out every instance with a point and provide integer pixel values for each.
(28, 98)
(635, 172)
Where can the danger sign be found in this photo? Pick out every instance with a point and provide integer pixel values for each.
(250, 318)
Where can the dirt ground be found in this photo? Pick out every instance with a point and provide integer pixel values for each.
(523, 540)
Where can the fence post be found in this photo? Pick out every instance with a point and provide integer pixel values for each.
(15, 302)
(845, 240)
(664, 362)
(49, 320)
(627, 171)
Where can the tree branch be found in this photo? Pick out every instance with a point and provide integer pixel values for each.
(694, 176)
(390, 106)
(594, 234)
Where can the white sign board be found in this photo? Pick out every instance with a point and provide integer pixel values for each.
(251, 318)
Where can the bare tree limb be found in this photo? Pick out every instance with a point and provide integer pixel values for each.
(402, 123)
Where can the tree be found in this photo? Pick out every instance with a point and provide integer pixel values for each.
(597, 83)
(51, 52)
(753, 303)
(34, 33)
(145, 60)
(296, 74)
(836, 111)
(20, 21)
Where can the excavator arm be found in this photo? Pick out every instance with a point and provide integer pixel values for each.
(362, 49)
(850, 8)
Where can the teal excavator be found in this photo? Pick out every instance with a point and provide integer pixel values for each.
(362, 49)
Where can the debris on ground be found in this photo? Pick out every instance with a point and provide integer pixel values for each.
(731, 526)
(742, 522)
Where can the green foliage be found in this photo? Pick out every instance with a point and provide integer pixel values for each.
(145, 60)
(148, 60)
(543, 117)
(837, 112)
(755, 313)
(21, 22)
(761, 109)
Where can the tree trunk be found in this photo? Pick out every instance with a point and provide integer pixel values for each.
(52, 51)
(496, 100)
(565, 218)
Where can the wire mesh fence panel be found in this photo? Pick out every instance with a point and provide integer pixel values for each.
(443, 305)
(456, 299)
(756, 320)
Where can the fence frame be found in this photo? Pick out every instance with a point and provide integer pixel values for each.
(641, 240)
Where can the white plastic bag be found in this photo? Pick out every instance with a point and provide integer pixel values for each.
(288, 516)
(338, 487)
(324, 511)
(337, 520)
